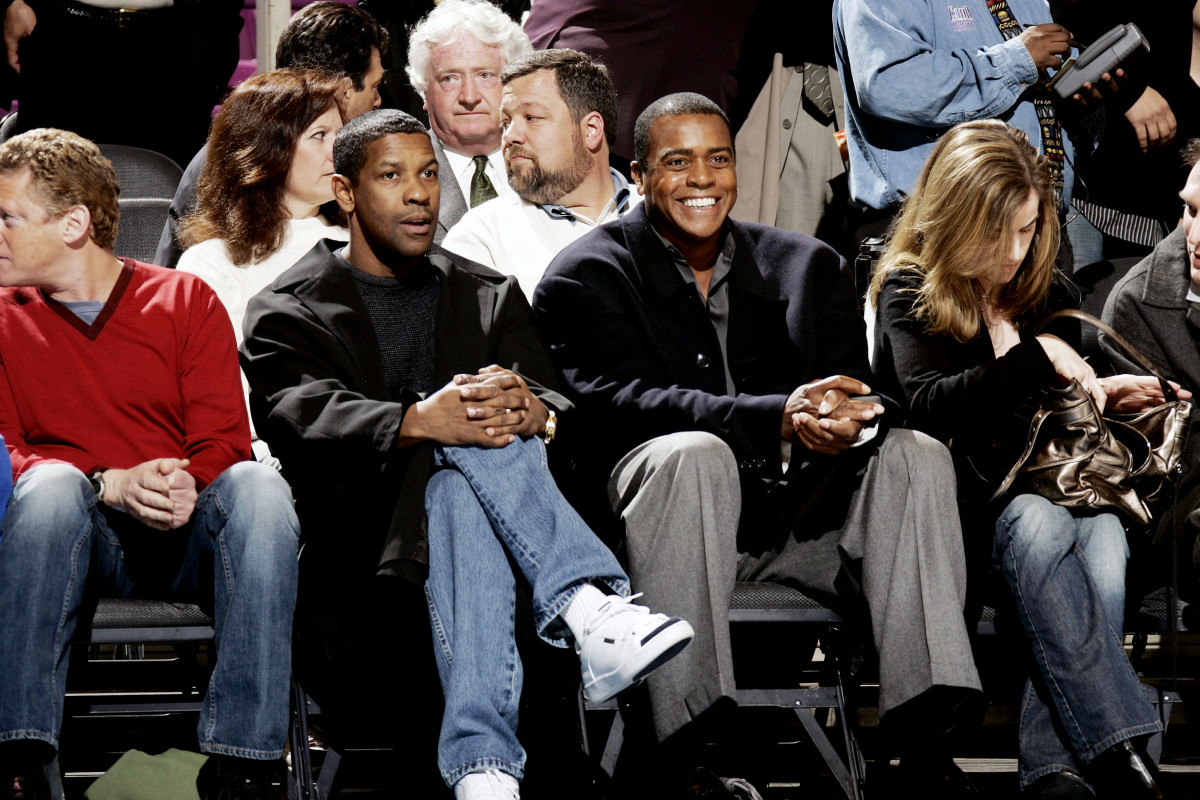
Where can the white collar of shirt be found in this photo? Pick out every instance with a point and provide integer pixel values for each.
(463, 168)
(616, 206)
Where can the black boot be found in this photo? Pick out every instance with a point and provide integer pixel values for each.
(231, 778)
(23, 770)
(919, 731)
(1064, 785)
(1124, 771)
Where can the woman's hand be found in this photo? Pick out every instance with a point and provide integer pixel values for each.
(1070, 365)
(1129, 394)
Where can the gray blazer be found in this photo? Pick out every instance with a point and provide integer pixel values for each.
(453, 204)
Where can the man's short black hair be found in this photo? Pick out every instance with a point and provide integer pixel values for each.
(583, 84)
(350, 147)
(673, 105)
(334, 37)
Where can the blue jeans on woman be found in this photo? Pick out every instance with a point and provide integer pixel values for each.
(1065, 569)
(491, 511)
(239, 557)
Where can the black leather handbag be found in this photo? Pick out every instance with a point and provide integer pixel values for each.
(1123, 463)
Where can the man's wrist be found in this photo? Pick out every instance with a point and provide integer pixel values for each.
(96, 479)
(104, 483)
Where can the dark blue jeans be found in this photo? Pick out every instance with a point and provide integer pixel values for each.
(56, 544)
(1066, 572)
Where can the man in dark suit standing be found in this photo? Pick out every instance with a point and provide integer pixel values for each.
(726, 365)
(455, 56)
(398, 478)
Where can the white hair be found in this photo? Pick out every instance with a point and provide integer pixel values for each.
(448, 21)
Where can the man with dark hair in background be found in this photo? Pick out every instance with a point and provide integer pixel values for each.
(326, 35)
(559, 115)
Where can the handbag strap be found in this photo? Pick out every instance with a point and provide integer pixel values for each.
(1121, 341)
(1035, 428)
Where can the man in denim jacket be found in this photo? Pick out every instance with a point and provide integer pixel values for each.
(912, 70)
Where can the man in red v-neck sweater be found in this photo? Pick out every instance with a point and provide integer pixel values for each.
(122, 410)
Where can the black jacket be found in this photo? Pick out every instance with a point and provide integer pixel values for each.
(640, 355)
(319, 396)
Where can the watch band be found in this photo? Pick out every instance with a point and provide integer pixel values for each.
(96, 479)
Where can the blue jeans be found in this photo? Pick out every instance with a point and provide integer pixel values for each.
(58, 547)
(484, 507)
(1066, 572)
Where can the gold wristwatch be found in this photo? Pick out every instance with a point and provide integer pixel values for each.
(551, 427)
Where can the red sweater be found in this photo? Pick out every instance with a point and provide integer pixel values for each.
(155, 376)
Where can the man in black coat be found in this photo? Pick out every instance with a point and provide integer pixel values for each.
(396, 477)
(710, 353)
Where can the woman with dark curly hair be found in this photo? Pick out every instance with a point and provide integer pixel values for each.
(266, 194)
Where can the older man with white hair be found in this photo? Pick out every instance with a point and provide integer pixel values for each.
(455, 56)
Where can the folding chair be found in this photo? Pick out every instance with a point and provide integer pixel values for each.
(775, 603)
(130, 625)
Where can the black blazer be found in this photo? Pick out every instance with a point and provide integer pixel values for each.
(640, 355)
(319, 396)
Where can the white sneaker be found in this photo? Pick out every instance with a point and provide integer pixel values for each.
(491, 784)
(623, 643)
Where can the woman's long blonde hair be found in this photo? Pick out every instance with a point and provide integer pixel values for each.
(952, 228)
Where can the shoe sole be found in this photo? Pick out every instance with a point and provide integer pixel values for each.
(658, 647)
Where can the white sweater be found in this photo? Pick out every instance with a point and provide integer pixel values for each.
(235, 285)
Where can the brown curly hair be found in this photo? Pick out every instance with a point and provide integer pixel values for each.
(240, 196)
(68, 170)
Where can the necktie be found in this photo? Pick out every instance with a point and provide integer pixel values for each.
(817, 91)
(481, 187)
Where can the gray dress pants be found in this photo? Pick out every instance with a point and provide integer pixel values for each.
(883, 520)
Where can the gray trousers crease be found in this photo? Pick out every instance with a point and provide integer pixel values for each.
(904, 524)
(680, 499)
(901, 525)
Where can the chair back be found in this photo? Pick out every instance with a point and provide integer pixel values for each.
(148, 182)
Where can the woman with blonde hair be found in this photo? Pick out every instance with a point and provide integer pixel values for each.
(967, 276)
(266, 194)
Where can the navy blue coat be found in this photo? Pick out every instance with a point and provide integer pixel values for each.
(640, 356)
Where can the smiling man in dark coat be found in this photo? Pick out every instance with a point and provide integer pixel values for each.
(345, 354)
(710, 353)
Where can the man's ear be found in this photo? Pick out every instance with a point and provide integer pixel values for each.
(635, 169)
(342, 97)
(343, 192)
(77, 225)
(592, 128)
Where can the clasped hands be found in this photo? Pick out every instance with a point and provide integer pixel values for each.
(824, 418)
(488, 409)
(159, 493)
